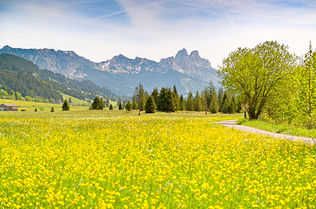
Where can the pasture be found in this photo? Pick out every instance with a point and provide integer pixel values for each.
(103, 159)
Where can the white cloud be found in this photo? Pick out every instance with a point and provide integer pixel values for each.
(160, 28)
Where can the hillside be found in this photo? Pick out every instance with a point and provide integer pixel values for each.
(23, 77)
(189, 72)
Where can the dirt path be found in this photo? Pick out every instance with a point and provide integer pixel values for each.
(233, 124)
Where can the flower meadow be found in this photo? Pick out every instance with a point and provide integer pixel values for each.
(120, 160)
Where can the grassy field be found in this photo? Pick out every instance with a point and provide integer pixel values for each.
(45, 107)
(280, 128)
(91, 159)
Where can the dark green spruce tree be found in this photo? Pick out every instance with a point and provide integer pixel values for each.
(155, 95)
(98, 104)
(189, 102)
(150, 106)
(175, 97)
(166, 101)
(65, 106)
(128, 106)
(214, 103)
(197, 102)
(181, 103)
(120, 106)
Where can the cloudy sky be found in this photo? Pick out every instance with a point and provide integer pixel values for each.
(100, 29)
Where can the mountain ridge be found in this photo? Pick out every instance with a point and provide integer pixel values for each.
(120, 73)
(23, 76)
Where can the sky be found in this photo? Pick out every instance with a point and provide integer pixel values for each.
(101, 29)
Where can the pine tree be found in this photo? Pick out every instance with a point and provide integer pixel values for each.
(166, 101)
(134, 103)
(134, 99)
(189, 102)
(214, 104)
(140, 96)
(175, 97)
(128, 106)
(98, 104)
(225, 104)
(111, 107)
(220, 96)
(150, 106)
(197, 102)
(210, 91)
(205, 100)
(155, 95)
(120, 106)
(65, 106)
(181, 103)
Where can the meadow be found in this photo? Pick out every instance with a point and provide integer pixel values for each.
(103, 159)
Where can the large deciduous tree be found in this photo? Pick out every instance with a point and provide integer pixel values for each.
(256, 73)
(307, 87)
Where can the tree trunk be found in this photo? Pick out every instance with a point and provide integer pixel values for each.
(252, 116)
(252, 113)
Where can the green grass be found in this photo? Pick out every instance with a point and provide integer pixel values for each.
(280, 128)
(30, 106)
(75, 101)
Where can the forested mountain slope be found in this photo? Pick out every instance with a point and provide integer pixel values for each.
(23, 77)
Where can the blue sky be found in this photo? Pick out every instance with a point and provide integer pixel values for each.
(100, 29)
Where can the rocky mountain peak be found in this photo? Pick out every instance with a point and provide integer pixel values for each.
(188, 70)
(121, 56)
(6, 47)
(182, 53)
(195, 54)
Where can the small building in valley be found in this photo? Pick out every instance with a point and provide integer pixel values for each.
(8, 107)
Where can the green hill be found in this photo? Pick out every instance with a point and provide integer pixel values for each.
(22, 78)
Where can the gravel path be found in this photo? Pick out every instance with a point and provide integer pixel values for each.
(233, 124)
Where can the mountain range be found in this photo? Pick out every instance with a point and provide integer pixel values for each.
(22, 76)
(189, 72)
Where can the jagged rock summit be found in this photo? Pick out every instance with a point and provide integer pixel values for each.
(189, 72)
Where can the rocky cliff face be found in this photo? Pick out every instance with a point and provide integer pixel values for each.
(192, 65)
(67, 63)
(121, 74)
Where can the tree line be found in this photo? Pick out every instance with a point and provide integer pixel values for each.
(266, 81)
(169, 100)
(273, 83)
